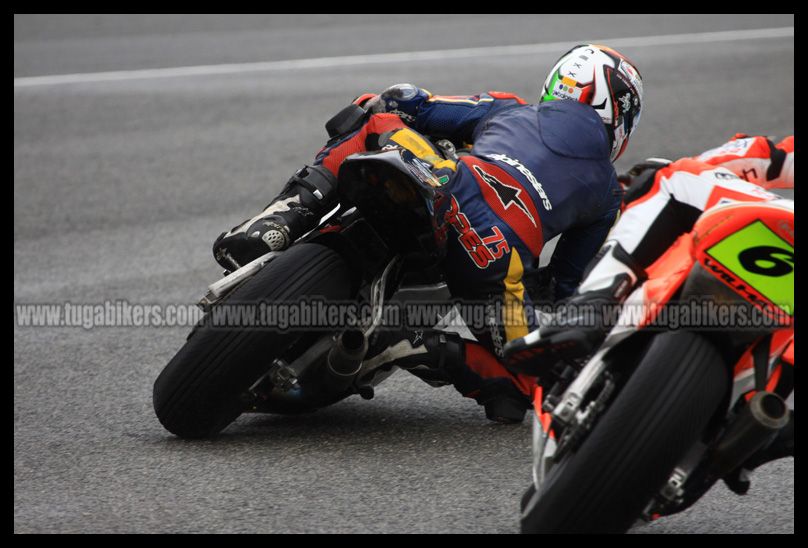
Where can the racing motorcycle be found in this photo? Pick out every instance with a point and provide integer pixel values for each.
(646, 424)
(384, 239)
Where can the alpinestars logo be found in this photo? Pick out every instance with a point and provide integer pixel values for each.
(545, 201)
(507, 194)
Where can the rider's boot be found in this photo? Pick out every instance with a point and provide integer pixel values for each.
(428, 354)
(306, 197)
(439, 359)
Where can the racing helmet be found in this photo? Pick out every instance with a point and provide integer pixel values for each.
(605, 79)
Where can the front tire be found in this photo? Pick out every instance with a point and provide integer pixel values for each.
(657, 417)
(198, 392)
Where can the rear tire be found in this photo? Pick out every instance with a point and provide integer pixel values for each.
(198, 392)
(657, 417)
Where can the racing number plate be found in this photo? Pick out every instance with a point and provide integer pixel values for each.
(762, 259)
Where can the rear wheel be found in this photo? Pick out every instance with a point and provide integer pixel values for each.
(199, 391)
(657, 417)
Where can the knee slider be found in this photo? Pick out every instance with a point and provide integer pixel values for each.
(452, 350)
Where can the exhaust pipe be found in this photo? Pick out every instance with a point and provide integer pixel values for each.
(755, 425)
(345, 357)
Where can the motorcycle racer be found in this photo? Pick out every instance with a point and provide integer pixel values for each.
(533, 172)
(664, 200)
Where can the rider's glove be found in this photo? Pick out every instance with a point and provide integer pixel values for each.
(403, 100)
(639, 179)
(582, 323)
(567, 336)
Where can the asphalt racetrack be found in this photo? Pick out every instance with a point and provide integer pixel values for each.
(121, 186)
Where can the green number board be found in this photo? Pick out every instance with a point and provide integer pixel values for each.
(762, 259)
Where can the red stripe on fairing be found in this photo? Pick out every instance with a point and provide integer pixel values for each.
(775, 377)
(513, 215)
(788, 355)
(782, 346)
(544, 418)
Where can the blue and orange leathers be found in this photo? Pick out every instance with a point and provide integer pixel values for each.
(534, 172)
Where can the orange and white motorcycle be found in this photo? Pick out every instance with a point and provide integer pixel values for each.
(651, 420)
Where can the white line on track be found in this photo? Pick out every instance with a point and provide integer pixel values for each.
(402, 57)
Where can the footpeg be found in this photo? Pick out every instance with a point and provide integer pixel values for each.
(282, 376)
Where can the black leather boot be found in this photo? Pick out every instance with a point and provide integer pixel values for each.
(429, 355)
(438, 358)
(306, 197)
